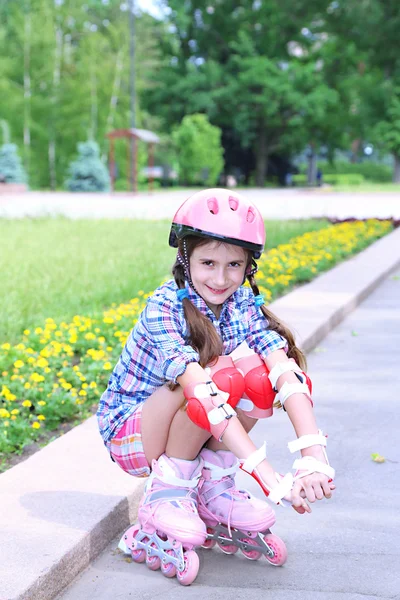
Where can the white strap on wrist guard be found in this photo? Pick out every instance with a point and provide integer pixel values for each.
(285, 483)
(308, 440)
(284, 367)
(308, 464)
(288, 389)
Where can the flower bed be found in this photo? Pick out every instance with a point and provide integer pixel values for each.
(57, 372)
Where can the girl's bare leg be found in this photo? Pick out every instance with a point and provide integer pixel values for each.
(167, 428)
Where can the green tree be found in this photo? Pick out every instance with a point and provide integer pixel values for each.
(199, 150)
(387, 133)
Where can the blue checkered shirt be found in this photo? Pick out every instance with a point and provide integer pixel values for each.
(157, 350)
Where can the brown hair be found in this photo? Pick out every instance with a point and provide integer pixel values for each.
(202, 335)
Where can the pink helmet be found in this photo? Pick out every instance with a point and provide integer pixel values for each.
(223, 215)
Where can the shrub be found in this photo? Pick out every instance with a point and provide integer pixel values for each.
(87, 172)
(11, 169)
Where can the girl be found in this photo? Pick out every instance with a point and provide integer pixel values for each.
(204, 361)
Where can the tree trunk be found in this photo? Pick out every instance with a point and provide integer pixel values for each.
(396, 169)
(312, 166)
(27, 90)
(261, 157)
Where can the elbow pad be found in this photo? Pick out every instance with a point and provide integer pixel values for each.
(258, 399)
(227, 378)
(207, 408)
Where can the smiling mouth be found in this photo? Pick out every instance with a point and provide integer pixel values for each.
(218, 292)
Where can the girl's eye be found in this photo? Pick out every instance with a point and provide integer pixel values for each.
(207, 262)
(235, 264)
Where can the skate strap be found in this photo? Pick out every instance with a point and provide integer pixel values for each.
(309, 465)
(215, 473)
(170, 478)
(172, 494)
(284, 367)
(288, 389)
(308, 440)
(218, 489)
(254, 459)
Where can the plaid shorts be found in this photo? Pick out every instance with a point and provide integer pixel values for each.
(126, 447)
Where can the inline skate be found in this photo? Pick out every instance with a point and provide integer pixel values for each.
(234, 518)
(169, 526)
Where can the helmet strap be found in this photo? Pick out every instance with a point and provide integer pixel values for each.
(183, 259)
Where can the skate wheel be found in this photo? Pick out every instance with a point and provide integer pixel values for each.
(208, 544)
(167, 568)
(190, 570)
(227, 548)
(279, 548)
(138, 556)
(153, 562)
(250, 554)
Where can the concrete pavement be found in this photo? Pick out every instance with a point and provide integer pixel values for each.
(348, 547)
(62, 506)
(289, 203)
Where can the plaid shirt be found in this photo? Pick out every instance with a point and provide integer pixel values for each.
(157, 350)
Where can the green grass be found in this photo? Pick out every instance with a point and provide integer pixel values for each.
(59, 268)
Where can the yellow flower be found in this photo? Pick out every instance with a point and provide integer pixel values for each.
(41, 418)
(18, 364)
(6, 346)
(4, 414)
(36, 425)
(42, 403)
(42, 362)
(107, 366)
(27, 385)
(27, 403)
(82, 393)
(26, 331)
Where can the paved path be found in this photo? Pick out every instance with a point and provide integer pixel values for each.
(273, 203)
(348, 547)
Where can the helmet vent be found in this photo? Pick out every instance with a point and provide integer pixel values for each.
(233, 203)
(212, 204)
(251, 215)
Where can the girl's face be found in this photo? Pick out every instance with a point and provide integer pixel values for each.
(217, 271)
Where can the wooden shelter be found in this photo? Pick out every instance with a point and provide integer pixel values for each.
(133, 136)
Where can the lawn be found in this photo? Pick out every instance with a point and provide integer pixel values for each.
(59, 268)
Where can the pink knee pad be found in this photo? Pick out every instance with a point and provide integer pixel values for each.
(227, 378)
(258, 399)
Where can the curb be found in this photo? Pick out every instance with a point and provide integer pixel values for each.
(63, 505)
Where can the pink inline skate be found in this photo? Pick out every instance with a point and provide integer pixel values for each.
(234, 518)
(169, 526)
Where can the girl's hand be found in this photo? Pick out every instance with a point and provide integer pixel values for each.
(310, 488)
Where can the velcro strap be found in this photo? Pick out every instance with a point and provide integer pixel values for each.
(280, 368)
(283, 488)
(254, 459)
(309, 465)
(288, 389)
(306, 441)
(219, 413)
(204, 390)
(216, 473)
(217, 489)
